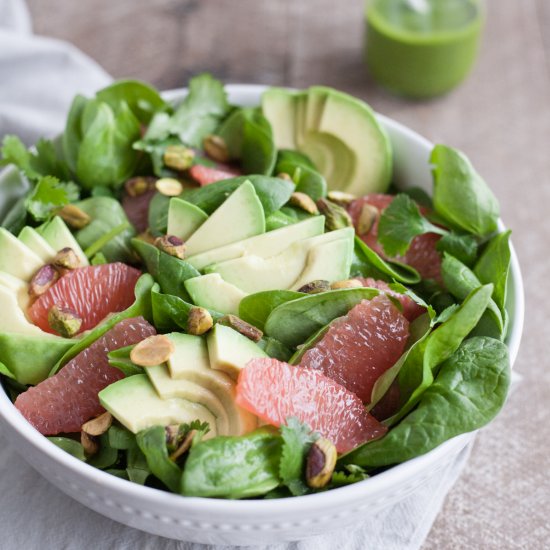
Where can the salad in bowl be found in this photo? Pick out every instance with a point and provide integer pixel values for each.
(238, 302)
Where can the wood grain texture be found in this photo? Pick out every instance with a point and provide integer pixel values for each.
(500, 117)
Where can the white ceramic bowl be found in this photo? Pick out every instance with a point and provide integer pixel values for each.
(214, 521)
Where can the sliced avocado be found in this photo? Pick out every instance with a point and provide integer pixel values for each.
(31, 358)
(239, 217)
(13, 319)
(339, 133)
(16, 258)
(59, 236)
(329, 262)
(184, 218)
(255, 274)
(230, 351)
(212, 292)
(134, 402)
(190, 361)
(168, 387)
(37, 244)
(18, 287)
(278, 106)
(265, 245)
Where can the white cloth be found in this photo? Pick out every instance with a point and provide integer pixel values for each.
(38, 79)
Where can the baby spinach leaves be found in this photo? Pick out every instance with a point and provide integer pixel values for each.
(257, 307)
(469, 390)
(233, 467)
(461, 197)
(304, 174)
(70, 446)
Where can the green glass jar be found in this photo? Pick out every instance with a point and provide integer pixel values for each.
(422, 48)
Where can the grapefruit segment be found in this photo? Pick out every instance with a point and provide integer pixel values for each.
(204, 175)
(422, 254)
(92, 292)
(411, 310)
(359, 347)
(275, 391)
(62, 403)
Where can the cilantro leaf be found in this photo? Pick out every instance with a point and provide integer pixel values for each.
(297, 440)
(48, 195)
(462, 247)
(400, 223)
(351, 474)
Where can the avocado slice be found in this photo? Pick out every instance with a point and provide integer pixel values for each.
(18, 287)
(16, 258)
(255, 274)
(190, 361)
(338, 132)
(168, 387)
(278, 106)
(134, 402)
(212, 292)
(59, 236)
(13, 319)
(239, 217)
(184, 218)
(329, 262)
(264, 245)
(229, 351)
(30, 358)
(30, 237)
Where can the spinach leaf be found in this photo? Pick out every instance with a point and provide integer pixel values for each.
(120, 359)
(400, 223)
(307, 179)
(460, 281)
(152, 443)
(106, 457)
(141, 307)
(72, 136)
(150, 255)
(233, 467)
(272, 192)
(293, 322)
(275, 349)
(106, 157)
(417, 372)
(142, 99)
(70, 446)
(493, 266)
(255, 308)
(16, 217)
(297, 440)
(279, 219)
(107, 215)
(136, 465)
(370, 264)
(158, 214)
(462, 247)
(469, 390)
(295, 157)
(461, 197)
(48, 195)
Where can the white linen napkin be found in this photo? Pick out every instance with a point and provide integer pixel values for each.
(38, 79)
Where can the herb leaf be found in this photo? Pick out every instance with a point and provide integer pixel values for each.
(400, 223)
(48, 195)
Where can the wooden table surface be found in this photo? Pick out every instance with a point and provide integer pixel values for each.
(500, 117)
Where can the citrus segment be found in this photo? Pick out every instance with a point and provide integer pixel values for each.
(275, 391)
(62, 403)
(204, 175)
(92, 292)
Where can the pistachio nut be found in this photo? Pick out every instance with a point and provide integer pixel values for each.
(171, 245)
(170, 187)
(315, 287)
(64, 320)
(320, 463)
(178, 157)
(341, 198)
(74, 216)
(369, 214)
(348, 283)
(152, 351)
(336, 217)
(146, 237)
(66, 260)
(216, 148)
(89, 443)
(184, 446)
(139, 185)
(174, 435)
(285, 176)
(199, 321)
(99, 425)
(304, 202)
(246, 329)
(42, 280)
